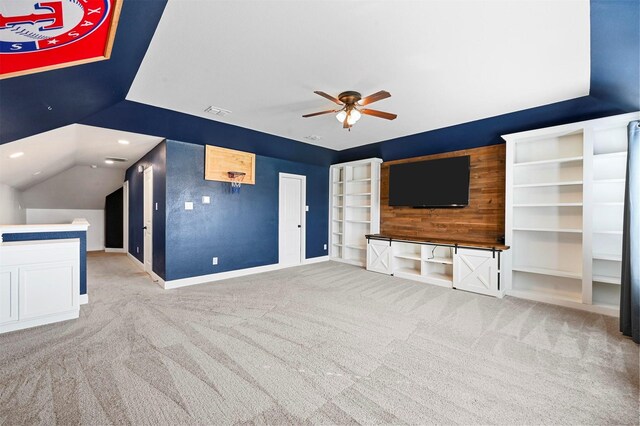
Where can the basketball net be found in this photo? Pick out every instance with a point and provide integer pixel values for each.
(236, 181)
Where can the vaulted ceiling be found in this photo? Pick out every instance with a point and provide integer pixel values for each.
(461, 73)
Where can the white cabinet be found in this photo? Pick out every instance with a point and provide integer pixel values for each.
(464, 268)
(379, 256)
(354, 208)
(8, 294)
(476, 271)
(564, 209)
(39, 283)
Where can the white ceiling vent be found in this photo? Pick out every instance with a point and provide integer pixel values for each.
(116, 159)
(217, 111)
(313, 137)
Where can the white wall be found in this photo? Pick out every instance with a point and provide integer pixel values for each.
(95, 234)
(79, 187)
(12, 211)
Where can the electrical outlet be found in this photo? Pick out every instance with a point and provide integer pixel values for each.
(325, 246)
(206, 199)
(188, 205)
(214, 261)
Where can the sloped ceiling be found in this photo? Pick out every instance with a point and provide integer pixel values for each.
(94, 94)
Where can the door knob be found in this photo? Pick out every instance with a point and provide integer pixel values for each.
(144, 227)
(299, 226)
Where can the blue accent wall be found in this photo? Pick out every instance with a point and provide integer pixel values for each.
(240, 229)
(156, 158)
(81, 235)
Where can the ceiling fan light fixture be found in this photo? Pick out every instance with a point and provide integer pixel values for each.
(341, 116)
(353, 117)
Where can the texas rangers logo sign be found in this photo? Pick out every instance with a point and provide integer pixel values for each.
(42, 35)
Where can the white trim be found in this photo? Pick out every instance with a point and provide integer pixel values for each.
(364, 161)
(84, 299)
(46, 319)
(125, 216)
(318, 259)
(147, 248)
(203, 279)
(114, 250)
(303, 215)
(156, 279)
(59, 227)
(135, 261)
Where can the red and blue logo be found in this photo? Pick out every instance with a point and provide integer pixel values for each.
(26, 26)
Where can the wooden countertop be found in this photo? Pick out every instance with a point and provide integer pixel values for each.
(440, 241)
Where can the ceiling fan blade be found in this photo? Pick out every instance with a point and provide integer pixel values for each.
(331, 98)
(379, 114)
(378, 96)
(319, 113)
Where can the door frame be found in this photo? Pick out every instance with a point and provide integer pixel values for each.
(144, 209)
(303, 215)
(125, 216)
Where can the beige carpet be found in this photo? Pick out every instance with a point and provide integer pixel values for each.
(325, 343)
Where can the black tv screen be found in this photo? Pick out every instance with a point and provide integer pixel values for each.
(433, 183)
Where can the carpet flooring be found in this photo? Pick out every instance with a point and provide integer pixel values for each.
(326, 343)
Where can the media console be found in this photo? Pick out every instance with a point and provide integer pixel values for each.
(461, 265)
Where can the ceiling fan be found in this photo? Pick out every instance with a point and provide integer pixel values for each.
(351, 103)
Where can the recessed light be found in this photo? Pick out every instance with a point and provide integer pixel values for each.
(108, 161)
(37, 173)
(123, 142)
(16, 155)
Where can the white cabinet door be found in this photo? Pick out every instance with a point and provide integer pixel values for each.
(476, 271)
(48, 288)
(379, 256)
(8, 294)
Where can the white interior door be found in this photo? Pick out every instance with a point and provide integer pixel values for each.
(148, 219)
(292, 219)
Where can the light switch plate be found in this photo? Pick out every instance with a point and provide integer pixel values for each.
(306, 208)
(206, 199)
(188, 205)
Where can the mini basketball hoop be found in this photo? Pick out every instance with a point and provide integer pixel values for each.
(236, 181)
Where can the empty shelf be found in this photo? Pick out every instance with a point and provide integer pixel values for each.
(551, 161)
(607, 279)
(575, 231)
(534, 185)
(444, 260)
(545, 271)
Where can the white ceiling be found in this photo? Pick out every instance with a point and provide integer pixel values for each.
(55, 151)
(445, 62)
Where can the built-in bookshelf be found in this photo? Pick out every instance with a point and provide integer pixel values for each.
(355, 208)
(564, 210)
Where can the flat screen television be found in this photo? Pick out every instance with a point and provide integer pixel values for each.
(433, 183)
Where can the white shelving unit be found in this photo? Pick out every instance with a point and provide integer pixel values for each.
(564, 210)
(355, 208)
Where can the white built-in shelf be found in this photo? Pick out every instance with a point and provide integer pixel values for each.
(439, 277)
(361, 193)
(338, 195)
(338, 207)
(549, 205)
(357, 221)
(610, 257)
(546, 271)
(337, 244)
(606, 279)
(337, 233)
(444, 260)
(550, 161)
(546, 296)
(356, 246)
(408, 256)
(567, 230)
(360, 207)
(561, 183)
(608, 180)
(406, 271)
(609, 203)
(610, 232)
(360, 180)
(338, 181)
(621, 154)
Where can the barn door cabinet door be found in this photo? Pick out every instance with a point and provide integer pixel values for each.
(379, 257)
(476, 271)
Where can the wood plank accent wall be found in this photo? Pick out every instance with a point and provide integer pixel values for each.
(481, 221)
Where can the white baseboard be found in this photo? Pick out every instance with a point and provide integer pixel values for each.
(34, 322)
(114, 250)
(84, 299)
(136, 261)
(202, 279)
(315, 260)
(156, 279)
